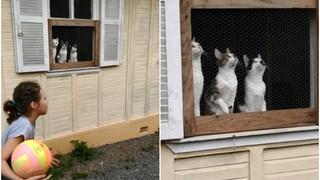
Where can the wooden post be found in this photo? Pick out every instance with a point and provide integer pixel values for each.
(187, 76)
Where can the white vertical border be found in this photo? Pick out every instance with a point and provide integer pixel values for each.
(174, 128)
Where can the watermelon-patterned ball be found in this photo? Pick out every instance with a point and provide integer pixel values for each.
(31, 158)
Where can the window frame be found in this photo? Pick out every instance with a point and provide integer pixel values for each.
(230, 123)
(75, 22)
(95, 24)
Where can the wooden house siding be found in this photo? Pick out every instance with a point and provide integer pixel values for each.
(295, 160)
(86, 99)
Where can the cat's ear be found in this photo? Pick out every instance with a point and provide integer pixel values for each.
(246, 60)
(228, 51)
(217, 53)
(259, 56)
(193, 39)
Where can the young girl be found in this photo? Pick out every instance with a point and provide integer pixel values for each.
(29, 102)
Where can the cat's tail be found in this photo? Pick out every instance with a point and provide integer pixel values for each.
(243, 108)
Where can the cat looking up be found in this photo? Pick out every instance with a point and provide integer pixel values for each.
(73, 54)
(197, 75)
(255, 88)
(221, 94)
(55, 43)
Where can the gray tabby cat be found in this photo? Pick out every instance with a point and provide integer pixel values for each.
(63, 52)
(221, 94)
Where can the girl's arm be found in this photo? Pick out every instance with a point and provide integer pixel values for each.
(6, 153)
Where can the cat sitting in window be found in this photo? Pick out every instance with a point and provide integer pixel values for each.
(73, 54)
(197, 75)
(63, 52)
(255, 88)
(220, 95)
(55, 43)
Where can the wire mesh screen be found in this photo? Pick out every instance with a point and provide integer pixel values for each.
(280, 36)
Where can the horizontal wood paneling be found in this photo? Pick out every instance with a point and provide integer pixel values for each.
(312, 174)
(281, 161)
(234, 171)
(291, 162)
(59, 95)
(294, 151)
(87, 101)
(212, 160)
(113, 94)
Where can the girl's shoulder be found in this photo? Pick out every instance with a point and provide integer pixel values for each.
(21, 126)
(22, 120)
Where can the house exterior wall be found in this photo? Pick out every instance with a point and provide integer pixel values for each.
(86, 99)
(295, 161)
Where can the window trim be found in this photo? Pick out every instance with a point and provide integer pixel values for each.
(270, 137)
(75, 23)
(233, 122)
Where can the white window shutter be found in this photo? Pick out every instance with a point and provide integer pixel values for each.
(31, 35)
(110, 38)
(171, 112)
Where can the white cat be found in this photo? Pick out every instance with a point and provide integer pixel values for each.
(255, 88)
(221, 94)
(55, 43)
(73, 54)
(197, 75)
(63, 52)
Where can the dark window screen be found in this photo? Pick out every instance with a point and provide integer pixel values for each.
(281, 36)
(81, 36)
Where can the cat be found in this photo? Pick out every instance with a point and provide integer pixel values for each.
(221, 93)
(73, 54)
(63, 52)
(197, 75)
(255, 88)
(55, 43)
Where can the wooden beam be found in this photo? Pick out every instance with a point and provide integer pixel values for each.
(254, 4)
(255, 121)
(187, 76)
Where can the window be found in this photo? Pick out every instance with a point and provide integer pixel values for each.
(74, 41)
(65, 34)
(287, 40)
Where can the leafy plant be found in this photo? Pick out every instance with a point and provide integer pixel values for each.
(81, 150)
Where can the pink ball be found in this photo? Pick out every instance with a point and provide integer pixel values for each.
(31, 158)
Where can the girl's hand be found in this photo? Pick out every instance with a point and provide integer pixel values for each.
(42, 177)
(55, 161)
